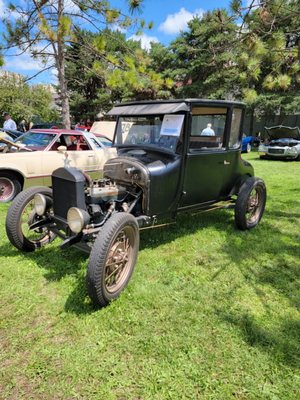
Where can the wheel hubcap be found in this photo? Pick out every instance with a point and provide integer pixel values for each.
(28, 218)
(254, 205)
(119, 260)
(6, 188)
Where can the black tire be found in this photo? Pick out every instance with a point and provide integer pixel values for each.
(250, 203)
(10, 186)
(109, 245)
(17, 222)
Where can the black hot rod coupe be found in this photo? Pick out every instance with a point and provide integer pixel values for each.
(173, 156)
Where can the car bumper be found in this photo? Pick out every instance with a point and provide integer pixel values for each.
(277, 152)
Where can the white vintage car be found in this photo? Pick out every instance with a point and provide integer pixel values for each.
(31, 159)
(281, 142)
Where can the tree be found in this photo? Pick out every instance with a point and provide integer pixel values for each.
(123, 72)
(23, 101)
(269, 56)
(45, 28)
(203, 63)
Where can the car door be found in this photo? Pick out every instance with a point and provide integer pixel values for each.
(80, 153)
(210, 165)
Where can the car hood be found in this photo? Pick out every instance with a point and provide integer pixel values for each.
(282, 132)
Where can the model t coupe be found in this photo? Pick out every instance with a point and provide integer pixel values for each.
(173, 156)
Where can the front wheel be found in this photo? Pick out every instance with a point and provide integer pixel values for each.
(250, 203)
(21, 215)
(10, 186)
(112, 258)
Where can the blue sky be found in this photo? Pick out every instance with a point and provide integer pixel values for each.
(169, 18)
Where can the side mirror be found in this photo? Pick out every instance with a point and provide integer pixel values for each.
(62, 149)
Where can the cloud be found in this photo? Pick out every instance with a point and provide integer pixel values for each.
(145, 40)
(116, 27)
(22, 63)
(174, 23)
(2, 7)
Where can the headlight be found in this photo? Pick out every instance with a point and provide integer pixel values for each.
(40, 204)
(292, 150)
(77, 219)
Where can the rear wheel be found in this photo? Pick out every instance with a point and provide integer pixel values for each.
(112, 258)
(21, 215)
(10, 186)
(250, 203)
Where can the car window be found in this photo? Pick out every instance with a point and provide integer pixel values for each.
(72, 143)
(208, 126)
(103, 140)
(158, 131)
(36, 140)
(235, 137)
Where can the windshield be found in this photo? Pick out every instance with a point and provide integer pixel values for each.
(36, 140)
(160, 131)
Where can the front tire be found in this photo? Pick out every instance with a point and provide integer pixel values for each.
(112, 258)
(10, 186)
(250, 203)
(21, 215)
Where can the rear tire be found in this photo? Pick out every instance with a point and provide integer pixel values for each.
(250, 203)
(10, 186)
(21, 215)
(112, 258)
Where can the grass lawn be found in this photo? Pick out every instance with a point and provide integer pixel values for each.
(210, 312)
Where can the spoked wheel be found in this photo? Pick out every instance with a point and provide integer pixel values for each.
(9, 187)
(21, 215)
(112, 258)
(250, 203)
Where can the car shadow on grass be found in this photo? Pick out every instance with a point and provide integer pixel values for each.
(270, 267)
(78, 302)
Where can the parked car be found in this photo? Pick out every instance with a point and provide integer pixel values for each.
(104, 140)
(4, 135)
(169, 169)
(106, 128)
(281, 142)
(248, 142)
(31, 159)
(12, 133)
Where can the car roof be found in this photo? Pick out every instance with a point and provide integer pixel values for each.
(56, 131)
(186, 100)
(153, 107)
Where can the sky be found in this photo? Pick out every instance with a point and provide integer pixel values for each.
(169, 18)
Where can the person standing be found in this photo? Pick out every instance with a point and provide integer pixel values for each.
(22, 126)
(9, 123)
(208, 131)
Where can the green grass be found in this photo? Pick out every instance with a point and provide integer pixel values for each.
(210, 312)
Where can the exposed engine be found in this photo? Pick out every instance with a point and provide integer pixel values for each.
(104, 197)
(91, 202)
(284, 142)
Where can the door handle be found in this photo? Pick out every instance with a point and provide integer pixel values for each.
(226, 162)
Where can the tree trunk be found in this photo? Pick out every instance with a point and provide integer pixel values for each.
(251, 122)
(60, 63)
